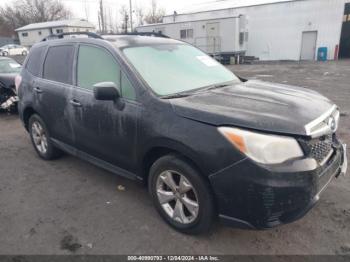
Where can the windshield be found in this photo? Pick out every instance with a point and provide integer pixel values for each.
(8, 66)
(171, 69)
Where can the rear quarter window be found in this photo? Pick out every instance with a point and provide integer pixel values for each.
(58, 64)
(34, 60)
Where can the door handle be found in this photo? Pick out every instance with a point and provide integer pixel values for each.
(75, 103)
(38, 90)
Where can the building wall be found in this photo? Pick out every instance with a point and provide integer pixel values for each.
(275, 30)
(227, 39)
(34, 36)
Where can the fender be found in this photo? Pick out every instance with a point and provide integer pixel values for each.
(171, 145)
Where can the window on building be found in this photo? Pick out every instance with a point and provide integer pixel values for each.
(25, 34)
(186, 33)
(59, 31)
(39, 33)
(33, 64)
(241, 38)
(58, 64)
(189, 33)
(91, 60)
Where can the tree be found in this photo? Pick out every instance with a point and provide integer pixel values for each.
(140, 16)
(125, 19)
(155, 15)
(102, 18)
(23, 12)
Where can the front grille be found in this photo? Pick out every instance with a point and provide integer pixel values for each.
(321, 148)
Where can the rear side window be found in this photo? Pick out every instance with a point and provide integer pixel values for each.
(59, 64)
(34, 60)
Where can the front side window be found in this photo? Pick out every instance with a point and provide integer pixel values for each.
(96, 65)
(58, 64)
(128, 91)
(174, 68)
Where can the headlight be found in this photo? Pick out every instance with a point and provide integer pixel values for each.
(262, 148)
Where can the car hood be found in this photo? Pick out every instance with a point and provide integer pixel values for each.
(8, 79)
(255, 105)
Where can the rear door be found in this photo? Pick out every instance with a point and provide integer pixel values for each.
(53, 92)
(106, 130)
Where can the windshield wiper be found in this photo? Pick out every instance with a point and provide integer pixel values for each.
(215, 87)
(186, 94)
(177, 95)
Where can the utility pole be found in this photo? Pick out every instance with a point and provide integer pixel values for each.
(102, 17)
(131, 26)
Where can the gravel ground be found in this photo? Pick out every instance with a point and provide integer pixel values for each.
(69, 206)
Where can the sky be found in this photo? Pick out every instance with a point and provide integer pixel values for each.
(87, 9)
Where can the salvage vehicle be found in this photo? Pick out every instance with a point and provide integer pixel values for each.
(9, 69)
(13, 49)
(206, 143)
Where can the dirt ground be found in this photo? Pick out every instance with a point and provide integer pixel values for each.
(69, 206)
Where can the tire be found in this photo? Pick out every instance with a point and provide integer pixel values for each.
(5, 53)
(24, 53)
(42, 143)
(196, 219)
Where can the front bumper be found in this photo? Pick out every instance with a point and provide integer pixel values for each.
(253, 196)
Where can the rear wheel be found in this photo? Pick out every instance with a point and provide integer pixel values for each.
(41, 139)
(24, 53)
(181, 196)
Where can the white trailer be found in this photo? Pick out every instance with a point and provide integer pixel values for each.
(222, 38)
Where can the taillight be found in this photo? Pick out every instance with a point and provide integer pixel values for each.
(18, 81)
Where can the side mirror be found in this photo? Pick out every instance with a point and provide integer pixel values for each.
(106, 91)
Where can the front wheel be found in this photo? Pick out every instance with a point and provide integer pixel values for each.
(181, 196)
(5, 53)
(41, 139)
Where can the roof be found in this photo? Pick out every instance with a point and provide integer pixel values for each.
(226, 4)
(122, 41)
(60, 23)
(118, 41)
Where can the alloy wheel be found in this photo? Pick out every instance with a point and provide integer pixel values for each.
(177, 197)
(39, 137)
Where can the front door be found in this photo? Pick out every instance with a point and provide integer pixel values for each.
(213, 38)
(105, 130)
(53, 91)
(308, 45)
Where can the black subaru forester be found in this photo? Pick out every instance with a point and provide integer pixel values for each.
(207, 143)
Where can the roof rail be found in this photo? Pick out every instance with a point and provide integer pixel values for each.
(61, 35)
(155, 34)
